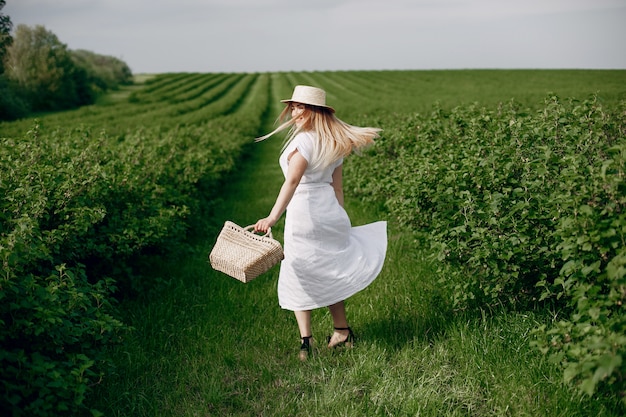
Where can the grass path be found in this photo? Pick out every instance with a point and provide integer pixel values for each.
(207, 345)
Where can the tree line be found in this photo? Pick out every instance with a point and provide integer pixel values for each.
(39, 73)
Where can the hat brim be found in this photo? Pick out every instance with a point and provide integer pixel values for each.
(309, 104)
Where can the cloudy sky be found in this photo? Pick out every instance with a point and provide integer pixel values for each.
(155, 36)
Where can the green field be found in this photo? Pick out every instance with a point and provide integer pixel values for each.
(137, 187)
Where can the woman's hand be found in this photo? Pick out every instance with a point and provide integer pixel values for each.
(263, 225)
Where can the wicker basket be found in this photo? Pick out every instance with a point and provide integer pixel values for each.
(244, 255)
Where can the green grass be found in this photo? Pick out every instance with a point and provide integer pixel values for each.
(207, 345)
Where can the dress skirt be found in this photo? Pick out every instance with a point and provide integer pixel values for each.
(326, 259)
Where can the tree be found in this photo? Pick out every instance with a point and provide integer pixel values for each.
(43, 68)
(5, 34)
(12, 105)
(105, 72)
(41, 73)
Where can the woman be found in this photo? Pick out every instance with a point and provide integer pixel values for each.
(326, 259)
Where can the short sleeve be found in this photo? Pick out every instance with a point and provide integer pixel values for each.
(304, 143)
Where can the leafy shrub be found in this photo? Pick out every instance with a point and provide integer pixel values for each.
(53, 329)
(592, 278)
(78, 209)
(54, 323)
(521, 208)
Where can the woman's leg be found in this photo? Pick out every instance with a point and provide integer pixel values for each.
(304, 322)
(338, 312)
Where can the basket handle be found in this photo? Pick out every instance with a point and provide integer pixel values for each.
(269, 231)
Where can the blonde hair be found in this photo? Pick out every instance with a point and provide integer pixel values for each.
(336, 138)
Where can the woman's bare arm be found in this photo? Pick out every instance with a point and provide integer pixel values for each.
(297, 166)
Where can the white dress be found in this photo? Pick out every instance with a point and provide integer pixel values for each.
(326, 259)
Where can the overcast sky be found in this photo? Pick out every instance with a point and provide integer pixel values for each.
(155, 36)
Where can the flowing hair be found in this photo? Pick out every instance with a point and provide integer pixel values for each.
(336, 138)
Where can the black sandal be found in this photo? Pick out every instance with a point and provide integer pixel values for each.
(305, 348)
(348, 341)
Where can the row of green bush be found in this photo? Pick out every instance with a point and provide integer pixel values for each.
(525, 209)
(79, 208)
(156, 101)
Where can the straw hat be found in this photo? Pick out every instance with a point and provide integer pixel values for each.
(309, 95)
